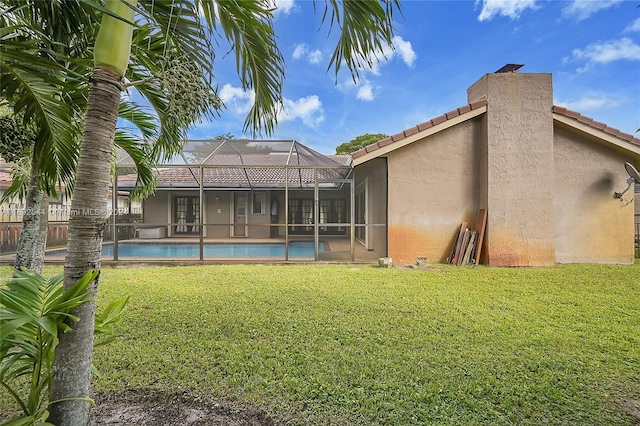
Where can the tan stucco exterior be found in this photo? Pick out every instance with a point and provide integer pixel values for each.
(217, 214)
(547, 181)
(520, 168)
(434, 185)
(156, 208)
(591, 225)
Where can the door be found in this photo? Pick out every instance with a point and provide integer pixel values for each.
(186, 214)
(240, 214)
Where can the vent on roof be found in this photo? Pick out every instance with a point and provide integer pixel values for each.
(510, 68)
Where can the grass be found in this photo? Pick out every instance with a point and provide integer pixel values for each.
(353, 344)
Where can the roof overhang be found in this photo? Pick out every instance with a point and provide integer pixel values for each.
(383, 150)
(602, 137)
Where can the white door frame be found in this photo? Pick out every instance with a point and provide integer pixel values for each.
(232, 213)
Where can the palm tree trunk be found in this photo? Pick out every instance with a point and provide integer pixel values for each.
(33, 235)
(72, 364)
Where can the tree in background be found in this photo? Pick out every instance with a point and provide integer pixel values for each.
(359, 143)
(16, 147)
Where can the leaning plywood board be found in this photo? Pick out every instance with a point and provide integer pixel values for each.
(458, 245)
(469, 249)
(463, 246)
(481, 225)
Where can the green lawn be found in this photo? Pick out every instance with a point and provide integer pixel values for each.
(353, 344)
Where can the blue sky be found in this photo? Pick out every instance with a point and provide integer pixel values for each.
(592, 48)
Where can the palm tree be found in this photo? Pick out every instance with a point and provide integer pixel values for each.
(48, 92)
(365, 27)
(41, 93)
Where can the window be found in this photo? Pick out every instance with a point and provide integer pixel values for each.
(259, 201)
(331, 210)
(186, 213)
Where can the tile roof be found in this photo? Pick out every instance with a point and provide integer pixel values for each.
(595, 124)
(235, 177)
(469, 107)
(420, 127)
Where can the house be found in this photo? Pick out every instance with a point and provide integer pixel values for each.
(11, 214)
(546, 175)
(250, 189)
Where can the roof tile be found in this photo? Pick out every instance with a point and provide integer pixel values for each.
(612, 131)
(585, 120)
(397, 136)
(385, 142)
(452, 114)
(572, 114)
(372, 147)
(596, 124)
(439, 120)
(425, 125)
(420, 127)
(358, 153)
(464, 109)
(626, 136)
(411, 131)
(478, 104)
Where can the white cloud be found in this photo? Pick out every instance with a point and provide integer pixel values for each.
(308, 109)
(314, 57)
(405, 50)
(299, 51)
(582, 9)
(401, 48)
(509, 8)
(633, 27)
(589, 103)
(236, 99)
(302, 51)
(365, 92)
(608, 51)
(282, 6)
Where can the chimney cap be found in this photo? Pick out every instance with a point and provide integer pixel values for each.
(510, 68)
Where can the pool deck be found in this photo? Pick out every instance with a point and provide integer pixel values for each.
(338, 252)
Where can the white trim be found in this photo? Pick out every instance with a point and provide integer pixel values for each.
(368, 242)
(420, 135)
(203, 219)
(232, 213)
(170, 213)
(603, 136)
(263, 209)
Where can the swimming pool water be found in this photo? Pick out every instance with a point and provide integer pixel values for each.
(238, 250)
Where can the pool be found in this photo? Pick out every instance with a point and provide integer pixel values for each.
(212, 250)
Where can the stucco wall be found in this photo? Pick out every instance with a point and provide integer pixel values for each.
(217, 213)
(434, 185)
(156, 208)
(520, 199)
(591, 225)
(375, 172)
(259, 219)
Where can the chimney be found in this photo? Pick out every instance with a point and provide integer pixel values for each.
(517, 154)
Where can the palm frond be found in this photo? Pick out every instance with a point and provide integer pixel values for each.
(33, 311)
(33, 85)
(366, 28)
(141, 154)
(248, 27)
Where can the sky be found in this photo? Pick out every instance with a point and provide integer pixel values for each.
(591, 47)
